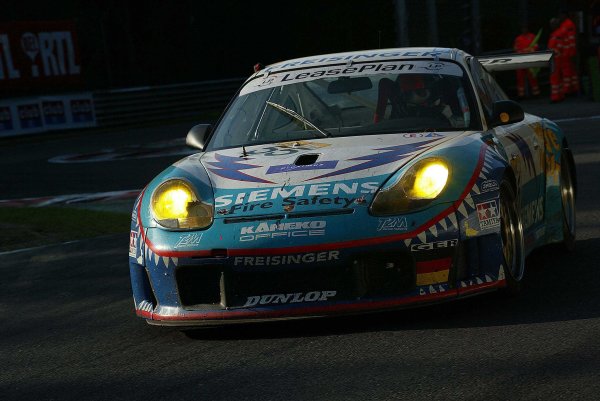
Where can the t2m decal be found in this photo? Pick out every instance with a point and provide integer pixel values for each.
(392, 224)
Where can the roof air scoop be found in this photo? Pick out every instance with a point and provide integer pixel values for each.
(305, 160)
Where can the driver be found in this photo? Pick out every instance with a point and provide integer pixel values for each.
(419, 100)
(410, 97)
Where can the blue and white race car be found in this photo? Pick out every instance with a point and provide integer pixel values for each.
(353, 182)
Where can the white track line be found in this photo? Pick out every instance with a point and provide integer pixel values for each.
(566, 120)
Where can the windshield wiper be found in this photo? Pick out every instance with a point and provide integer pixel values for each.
(298, 117)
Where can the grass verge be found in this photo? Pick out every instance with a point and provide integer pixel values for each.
(31, 227)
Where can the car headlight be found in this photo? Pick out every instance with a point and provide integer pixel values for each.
(174, 204)
(418, 186)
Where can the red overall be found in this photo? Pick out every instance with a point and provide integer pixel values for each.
(569, 72)
(523, 45)
(556, 43)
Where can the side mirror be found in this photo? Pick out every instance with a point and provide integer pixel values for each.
(197, 136)
(506, 112)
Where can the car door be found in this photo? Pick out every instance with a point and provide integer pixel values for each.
(523, 148)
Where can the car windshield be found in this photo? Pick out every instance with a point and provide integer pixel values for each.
(359, 99)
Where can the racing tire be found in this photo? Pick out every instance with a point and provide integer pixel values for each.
(567, 195)
(513, 243)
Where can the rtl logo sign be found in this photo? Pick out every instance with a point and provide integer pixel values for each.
(28, 51)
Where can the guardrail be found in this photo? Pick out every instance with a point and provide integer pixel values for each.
(154, 103)
(114, 108)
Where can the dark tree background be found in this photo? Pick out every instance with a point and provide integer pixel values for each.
(126, 43)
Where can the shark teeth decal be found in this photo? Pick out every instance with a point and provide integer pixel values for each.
(501, 273)
(433, 230)
(442, 223)
(431, 289)
(452, 217)
(145, 306)
(154, 258)
(469, 201)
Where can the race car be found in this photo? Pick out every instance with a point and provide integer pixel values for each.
(353, 182)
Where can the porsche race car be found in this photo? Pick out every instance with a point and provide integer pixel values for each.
(353, 182)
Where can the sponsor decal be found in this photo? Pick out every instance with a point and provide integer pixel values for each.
(278, 260)
(434, 66)
(133, 236)
(429, 246)
(361, 200)
(489, 185)
(295, 195)
(533, 212)
(286, 148)
(487, 213)
(357, 57)
(286, 168)
(188, 240)
(495, 61)
(308, 145)
(271, 79)
(283, 230)
(368, 67)
(392, 224)
(291, 298)
(423, 135)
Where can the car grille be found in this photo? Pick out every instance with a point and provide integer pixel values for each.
(366, 276)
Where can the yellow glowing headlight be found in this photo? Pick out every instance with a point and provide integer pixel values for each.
(429, 180)
(175, 205)
(423, 182)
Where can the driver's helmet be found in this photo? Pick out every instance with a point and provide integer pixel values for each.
(413, 88)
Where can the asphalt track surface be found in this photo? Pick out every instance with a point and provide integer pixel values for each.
(68, 330)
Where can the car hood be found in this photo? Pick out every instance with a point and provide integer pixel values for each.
(308, 175)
